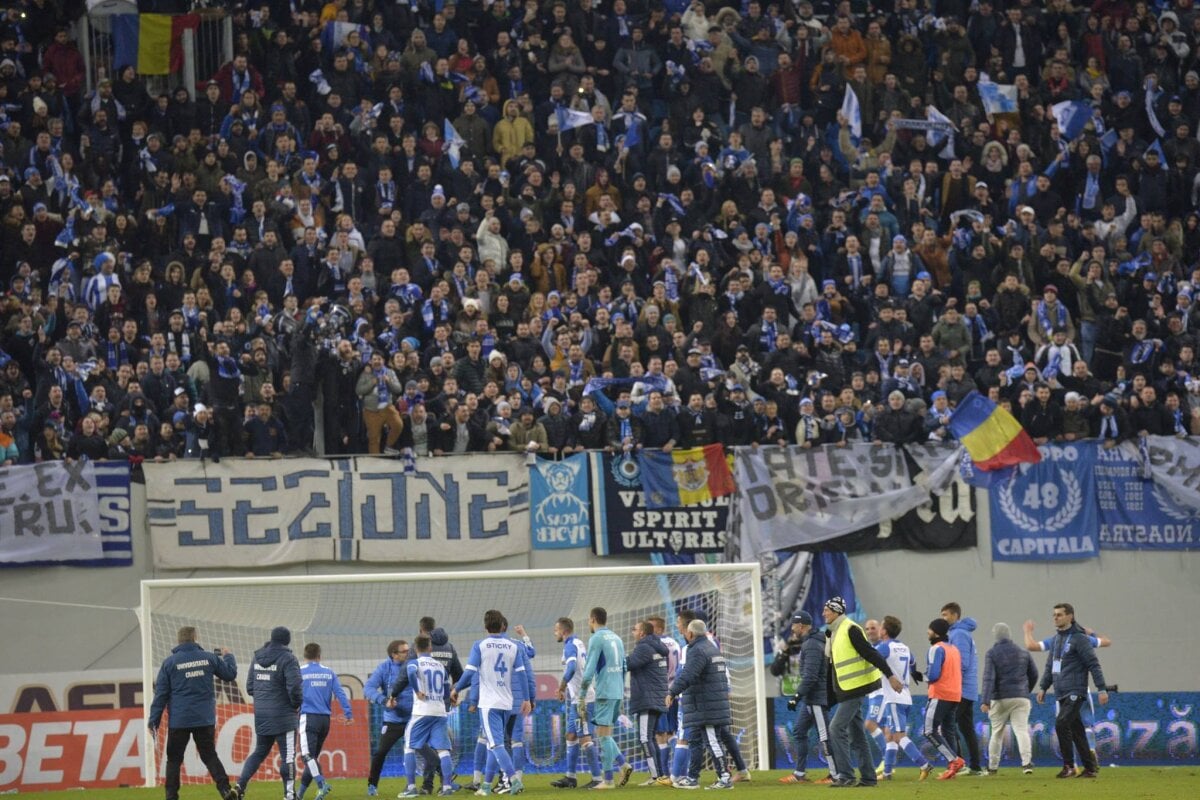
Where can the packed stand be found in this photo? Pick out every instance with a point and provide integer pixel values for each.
(601, 224)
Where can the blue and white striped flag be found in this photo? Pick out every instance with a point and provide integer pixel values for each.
(938, 137)
(997, 98)
(453, 143)
(569, 118)
(1152, 92)
(853, 112)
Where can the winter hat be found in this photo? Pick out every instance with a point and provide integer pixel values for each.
(281, 635)
(940, 628)
(836, 604)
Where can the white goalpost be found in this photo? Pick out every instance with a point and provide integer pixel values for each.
(354, 617)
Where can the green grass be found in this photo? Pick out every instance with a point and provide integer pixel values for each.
(1119, 783)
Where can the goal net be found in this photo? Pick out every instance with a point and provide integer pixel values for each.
(354, 617)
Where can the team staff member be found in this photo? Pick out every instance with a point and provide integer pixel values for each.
(185, 687)
(856, 670)
(703, 685)
(397, 711)
(804, 653)
(274, 683)
(961, 630)
(1070, 660)
(1009, 675)
(648, 683)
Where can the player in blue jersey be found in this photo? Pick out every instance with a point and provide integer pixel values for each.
(893, 714)
(871, 720)
(605, 668)
(321, 687)
(496, 662)
(428, 727)
(579, 729)
(524, 692)
(1087, 712)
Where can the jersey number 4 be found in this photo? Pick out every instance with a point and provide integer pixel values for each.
(501, 667)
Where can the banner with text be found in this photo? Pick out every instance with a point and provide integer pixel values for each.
(796, 497)
(558, 503)
(624, 525)
(1175, 466)
(1134, 729)
(65, 514)
(1047, 511)
(1137, 513)
(946, 521)
(253, 513)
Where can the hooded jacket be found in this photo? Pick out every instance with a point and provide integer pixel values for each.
(647, 666)
(960, 637)
(275, 684)
(185, 684)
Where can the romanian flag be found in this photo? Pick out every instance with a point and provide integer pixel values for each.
(993, 437)
(684, 477)
(150, 43)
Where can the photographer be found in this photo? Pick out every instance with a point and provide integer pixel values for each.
(802, 659)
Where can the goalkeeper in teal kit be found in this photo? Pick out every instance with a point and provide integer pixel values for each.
(606, 670)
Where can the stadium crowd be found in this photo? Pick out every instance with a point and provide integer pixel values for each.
(447, 221)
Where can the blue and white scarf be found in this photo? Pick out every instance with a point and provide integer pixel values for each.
(1043, 316)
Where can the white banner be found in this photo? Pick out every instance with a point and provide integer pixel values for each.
(1175, 466)
(254, 513)
(791, 496)
(49, 512)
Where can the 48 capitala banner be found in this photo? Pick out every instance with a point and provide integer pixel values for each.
(1047, 511)
(246, 513)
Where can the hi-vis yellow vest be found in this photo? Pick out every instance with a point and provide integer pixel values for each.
(850, 670)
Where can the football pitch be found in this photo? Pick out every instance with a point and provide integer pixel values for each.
(1114, 783)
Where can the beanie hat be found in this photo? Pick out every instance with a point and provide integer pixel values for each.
(940, 628)
(836, 604)
(281, 635)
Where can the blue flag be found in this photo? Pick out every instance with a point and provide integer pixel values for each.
(1071, 116)
(559, 503)
(633, 133)
(452, 142)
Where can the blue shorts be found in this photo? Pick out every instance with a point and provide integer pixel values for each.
(669, 720)
(427, 732)
(894, 717)
(874, 708)
(575, 725)
(606, 713)
(493, 722)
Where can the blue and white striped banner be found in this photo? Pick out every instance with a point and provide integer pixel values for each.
(65, 514)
